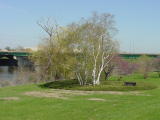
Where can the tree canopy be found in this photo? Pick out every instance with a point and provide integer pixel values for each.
(80, 50)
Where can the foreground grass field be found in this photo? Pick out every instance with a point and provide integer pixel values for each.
(31, 102)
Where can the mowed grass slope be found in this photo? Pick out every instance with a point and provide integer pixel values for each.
(144, 106)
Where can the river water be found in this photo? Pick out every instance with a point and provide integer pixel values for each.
(8, 73)
(14, 76)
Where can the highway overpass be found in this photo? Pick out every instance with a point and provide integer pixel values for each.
(15, 58)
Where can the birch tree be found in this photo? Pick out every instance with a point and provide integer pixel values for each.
(93, 39)
(98, 34)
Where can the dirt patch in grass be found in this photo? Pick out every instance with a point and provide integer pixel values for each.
(9, 98)
(138, 93)
(45, 94)
(64, 94)
(80, 92)
(96, 99)
(61, 94)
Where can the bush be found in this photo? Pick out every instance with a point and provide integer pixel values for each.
(105, 86)
(145, 65)
(156, 65)
(124, 67)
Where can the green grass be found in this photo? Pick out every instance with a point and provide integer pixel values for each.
(116, 107)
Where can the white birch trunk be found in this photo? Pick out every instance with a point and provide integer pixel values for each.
(105, 60)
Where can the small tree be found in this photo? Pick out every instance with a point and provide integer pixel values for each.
(125, 67)
(47, 55)
(108, 71)
(145, 65)
(101, 44)
(156, 65)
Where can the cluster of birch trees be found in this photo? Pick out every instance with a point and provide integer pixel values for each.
(82, 50)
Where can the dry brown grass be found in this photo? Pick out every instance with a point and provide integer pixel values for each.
(64, 94)
(96, 99)
(9, 98)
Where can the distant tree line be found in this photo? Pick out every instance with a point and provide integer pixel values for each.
(142, 65)
(19, 48)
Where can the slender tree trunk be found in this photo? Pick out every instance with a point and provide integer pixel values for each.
(159, 74)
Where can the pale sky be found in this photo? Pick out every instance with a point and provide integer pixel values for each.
(136, 20)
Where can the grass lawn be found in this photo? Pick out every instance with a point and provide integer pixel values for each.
(16, 104)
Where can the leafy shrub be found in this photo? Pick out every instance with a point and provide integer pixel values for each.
(156, 65)
(124, 67)
(105, 86)
(145, 65)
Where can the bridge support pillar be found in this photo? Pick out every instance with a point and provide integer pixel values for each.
(24, 62)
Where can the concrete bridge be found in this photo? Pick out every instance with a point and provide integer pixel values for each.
(137, 55)
(12, 58)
